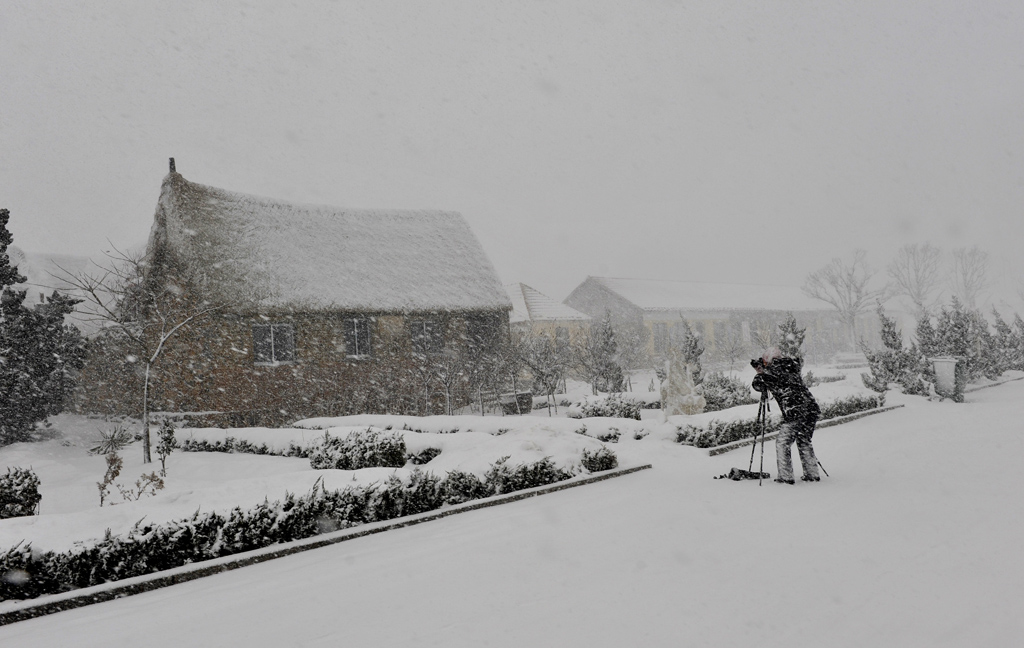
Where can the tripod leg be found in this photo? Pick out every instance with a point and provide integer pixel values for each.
(823, 469)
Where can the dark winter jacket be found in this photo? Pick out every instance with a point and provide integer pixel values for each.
(782, 379)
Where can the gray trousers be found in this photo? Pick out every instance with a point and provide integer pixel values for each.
(799, 431)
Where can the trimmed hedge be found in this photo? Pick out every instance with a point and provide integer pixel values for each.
(720, 432)
(231, 444)
(149, 548)
(614, 405)
(369, 448)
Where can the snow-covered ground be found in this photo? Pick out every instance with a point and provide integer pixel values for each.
(914, 540)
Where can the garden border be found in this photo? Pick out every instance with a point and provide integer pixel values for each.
(839, 420)
(54, 603)
(995, 384)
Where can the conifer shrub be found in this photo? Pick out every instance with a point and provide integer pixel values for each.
(502, 478)
(462, 487)
(599, 460)
(231, 444)
(367, 448)
(851, 405)
(19, 493)
(722, 392)
(423, 457)
(614, 406)
(895, 364)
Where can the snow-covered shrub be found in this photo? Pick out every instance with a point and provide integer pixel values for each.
(425, 456)
(231, 444)
(614, 406)
(810, 380)
(722, 432)
(367, 448)
(423, 492)
(894, 363)
(462, 487)
(851, 405)
(501, 478)
(600, 459)
(722, 392)
(19, 493)
(611, 436)
(167, 445)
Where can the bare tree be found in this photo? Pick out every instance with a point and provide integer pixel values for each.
(546, 362)
(763, 331)
(916, 274)
(731, 345)
(145, 305)
(632, 338)
(969, 275)
(845, 286)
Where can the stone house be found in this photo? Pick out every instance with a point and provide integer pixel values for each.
(320, 310)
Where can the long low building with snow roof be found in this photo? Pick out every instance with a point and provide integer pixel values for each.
(319, 310)
(731, 318)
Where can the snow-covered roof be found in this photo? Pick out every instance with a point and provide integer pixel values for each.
(659, 294)
(262, 253)
(531, 305)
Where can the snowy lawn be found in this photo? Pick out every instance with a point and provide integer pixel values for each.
(913, 540)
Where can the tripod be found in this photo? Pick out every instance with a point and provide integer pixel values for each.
(762, 421)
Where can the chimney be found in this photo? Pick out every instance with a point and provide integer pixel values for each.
(172, 165)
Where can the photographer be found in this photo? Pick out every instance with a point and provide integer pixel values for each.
(781, 377)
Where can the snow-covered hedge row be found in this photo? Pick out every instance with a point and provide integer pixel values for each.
(149, 548)
(717, 433)
(19, 494)
(612, 406)
(367, 448)
(231, 444)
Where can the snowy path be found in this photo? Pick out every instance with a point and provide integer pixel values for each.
(915, 540)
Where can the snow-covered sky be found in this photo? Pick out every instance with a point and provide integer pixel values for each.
(684, 140)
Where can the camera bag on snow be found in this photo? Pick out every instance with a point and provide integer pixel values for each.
(738, 474)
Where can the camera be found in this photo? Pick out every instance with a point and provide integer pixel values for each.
(757, 363)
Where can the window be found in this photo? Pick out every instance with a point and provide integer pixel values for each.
(273, 343)
(426, 336)
(483, 330)
(357, 337)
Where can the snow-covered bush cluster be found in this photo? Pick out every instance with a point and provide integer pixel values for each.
(367, 448)
(231, 444)
(722, 392)
(851, 405)
(149, 548)
(613, 405)
(19, 493)
(599, 460)
(981, 350)
(718, 433)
